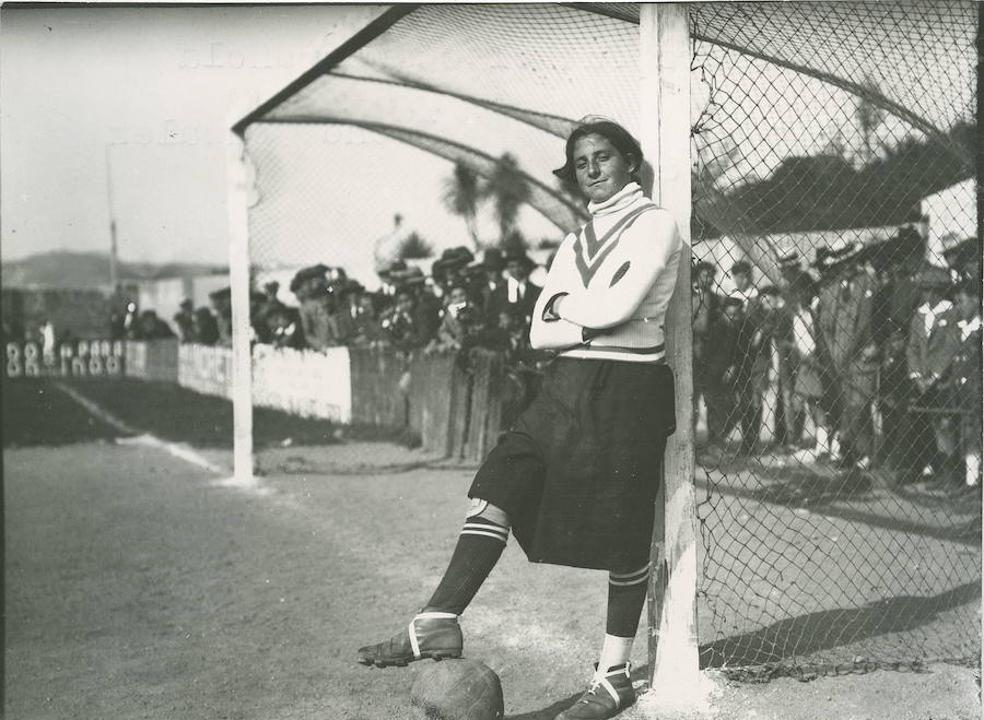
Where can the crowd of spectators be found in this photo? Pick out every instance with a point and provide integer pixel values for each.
(874, 353)
(874, 347)
(463, 304)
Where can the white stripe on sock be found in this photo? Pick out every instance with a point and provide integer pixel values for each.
(634, 573)
(503, 538)
(497, 529)
(621, 580)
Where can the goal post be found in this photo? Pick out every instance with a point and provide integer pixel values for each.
(813, 150)
(239, 186)
(664, 97)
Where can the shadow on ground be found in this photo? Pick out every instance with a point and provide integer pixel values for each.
(35, 413)
(553, 709)
(807, 635)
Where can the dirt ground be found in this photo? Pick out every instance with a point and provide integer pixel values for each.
(140, 586)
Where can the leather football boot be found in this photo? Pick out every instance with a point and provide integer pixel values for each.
(608, 695)
(435, 635)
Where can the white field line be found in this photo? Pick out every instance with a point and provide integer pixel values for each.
(182, 452)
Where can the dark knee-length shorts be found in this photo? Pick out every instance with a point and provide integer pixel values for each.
(578, 472)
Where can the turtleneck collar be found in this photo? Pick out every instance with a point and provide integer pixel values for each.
(617, 202)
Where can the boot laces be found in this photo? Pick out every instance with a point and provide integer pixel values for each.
(592, 690)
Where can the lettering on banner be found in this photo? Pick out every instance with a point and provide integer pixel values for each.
(15, 366)
(81, 359)
(31, 366)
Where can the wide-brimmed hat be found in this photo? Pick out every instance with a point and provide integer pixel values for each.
(827, 257)
(454, 258)
(411, 276)
(965, 252)
(789, 261)
(492, 260)
(306, 273)
(520, 256)
(397, 265)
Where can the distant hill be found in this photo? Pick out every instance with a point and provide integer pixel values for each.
(63, 268)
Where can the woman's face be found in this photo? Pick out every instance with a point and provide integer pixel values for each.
(600, 169)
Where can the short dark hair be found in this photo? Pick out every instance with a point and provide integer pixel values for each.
(613, 132)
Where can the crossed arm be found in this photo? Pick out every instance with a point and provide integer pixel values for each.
(568, 314)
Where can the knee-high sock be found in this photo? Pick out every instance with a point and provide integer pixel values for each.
(626, 596)
(479, 547)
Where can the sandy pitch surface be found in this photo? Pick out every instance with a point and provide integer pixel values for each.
(139, 587)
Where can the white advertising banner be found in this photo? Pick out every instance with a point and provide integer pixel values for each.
(206, 369)
(304, 382)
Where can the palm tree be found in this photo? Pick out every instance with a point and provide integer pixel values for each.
(462, 193)
(414, 247)
(508, 188)
(869, 117)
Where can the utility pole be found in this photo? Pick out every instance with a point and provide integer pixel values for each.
(112, 224)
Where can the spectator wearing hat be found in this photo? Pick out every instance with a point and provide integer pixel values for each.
(741, 274)
(151, 327)
(809, 386)
(426, 307)
(706, 308)
(517, 295)
(367, 331)
(933, 341)
(790, 413)
(964, 380)
(399, 324)
(265, 305)
(205, 330)
(184, 320)
(451, 267)
(388, 287)
(284, 326)
(964, 259)
(790, 269)
(221, 301)
(720, 368)
(759, 324)
(311, 288)
(845, 319)
(461, 324)
(490, 281)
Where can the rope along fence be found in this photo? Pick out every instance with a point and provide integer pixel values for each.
(837, 339)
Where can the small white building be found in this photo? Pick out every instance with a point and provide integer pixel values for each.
(951, 216)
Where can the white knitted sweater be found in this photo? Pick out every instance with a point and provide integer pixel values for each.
(616, 276)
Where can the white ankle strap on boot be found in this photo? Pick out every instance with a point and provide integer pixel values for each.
(412, 631)
(601, 680)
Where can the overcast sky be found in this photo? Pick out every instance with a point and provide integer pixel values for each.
(151, 93)
(158, 87)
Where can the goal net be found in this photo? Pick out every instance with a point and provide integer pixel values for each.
(835, 250)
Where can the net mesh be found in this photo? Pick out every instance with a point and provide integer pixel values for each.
(833, 148)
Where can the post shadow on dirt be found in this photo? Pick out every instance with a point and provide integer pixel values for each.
(553, 709)
(815, 632)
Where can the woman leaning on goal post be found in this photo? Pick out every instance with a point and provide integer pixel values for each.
(575, 477)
